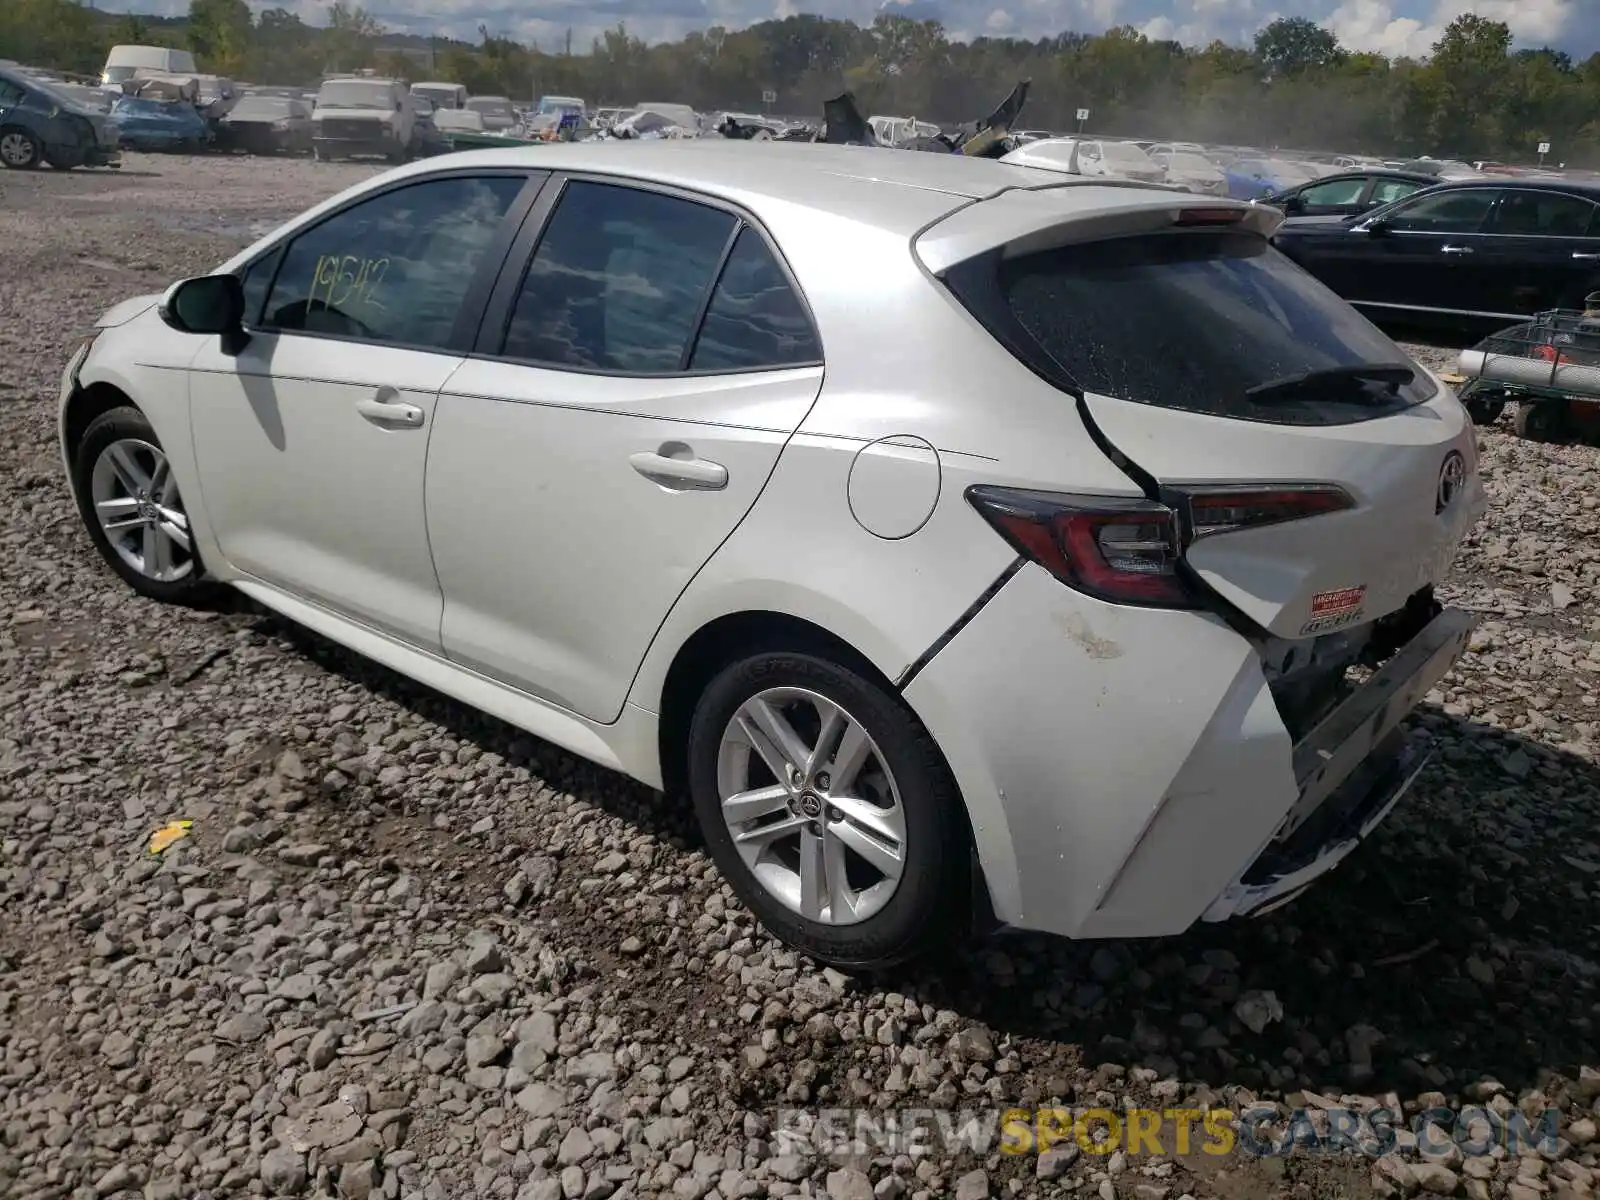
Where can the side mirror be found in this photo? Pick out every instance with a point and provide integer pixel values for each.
(208, 304)
(1378, 228)
(1293, 206)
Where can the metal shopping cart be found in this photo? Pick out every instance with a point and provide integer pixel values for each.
(1550, 368)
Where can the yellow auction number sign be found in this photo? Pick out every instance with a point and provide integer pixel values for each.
(348, 280)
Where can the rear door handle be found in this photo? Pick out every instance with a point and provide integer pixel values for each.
(1455, 249)
(390, 412)
(1585, 257)
(684, 473)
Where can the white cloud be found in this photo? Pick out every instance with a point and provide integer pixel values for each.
(1392, 27)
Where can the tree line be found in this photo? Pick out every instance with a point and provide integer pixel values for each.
(1473, 97)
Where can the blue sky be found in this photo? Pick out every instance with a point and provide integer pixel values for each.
(1391, 26)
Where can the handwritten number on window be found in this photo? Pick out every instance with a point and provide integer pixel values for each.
(348, 280)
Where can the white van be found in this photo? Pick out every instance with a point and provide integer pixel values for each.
(442, 95)
(127, 62)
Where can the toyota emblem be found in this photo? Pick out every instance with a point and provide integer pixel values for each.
(1452, 478)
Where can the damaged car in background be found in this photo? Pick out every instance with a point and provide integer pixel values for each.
(39, 123)
(989, 137)
(267, 125)
(1082, 582)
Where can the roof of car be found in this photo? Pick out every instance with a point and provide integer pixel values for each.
(1374, 173)
(1588, 187)
(890, 188)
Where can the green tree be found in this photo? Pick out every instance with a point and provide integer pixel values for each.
(1294, 45)
(219, 34)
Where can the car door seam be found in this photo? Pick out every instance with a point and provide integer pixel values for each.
(427, 525)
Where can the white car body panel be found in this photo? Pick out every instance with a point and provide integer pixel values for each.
(1135, 726)
(306, 493)
(542, 460)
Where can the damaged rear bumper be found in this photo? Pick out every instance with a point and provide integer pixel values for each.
(1352, 769)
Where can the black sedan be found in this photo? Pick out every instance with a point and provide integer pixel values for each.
(1461, 253)
(1348, 193)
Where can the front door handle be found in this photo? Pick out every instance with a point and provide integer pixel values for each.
(1455, 249)
(1579, 254)
(677, 468)
(390, 412)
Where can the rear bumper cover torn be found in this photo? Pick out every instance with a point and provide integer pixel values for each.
(1352, 769)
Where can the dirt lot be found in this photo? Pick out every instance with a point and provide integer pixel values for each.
(407, 951)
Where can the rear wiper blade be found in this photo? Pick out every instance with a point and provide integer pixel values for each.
(1394, 375)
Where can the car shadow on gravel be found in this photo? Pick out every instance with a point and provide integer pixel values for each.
(1457, 944)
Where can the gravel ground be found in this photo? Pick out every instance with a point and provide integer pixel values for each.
(408, 951)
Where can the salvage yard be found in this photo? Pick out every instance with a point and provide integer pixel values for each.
(406, 950)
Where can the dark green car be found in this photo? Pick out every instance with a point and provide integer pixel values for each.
(40, 124)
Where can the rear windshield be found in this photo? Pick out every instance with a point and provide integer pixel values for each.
(267, 108)
(1124, 152)
(1194, 320)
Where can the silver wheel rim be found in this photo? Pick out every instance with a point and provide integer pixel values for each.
(137, 503)
(811, 805)
(15, 150)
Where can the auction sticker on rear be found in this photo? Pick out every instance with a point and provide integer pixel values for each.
(1335, 609)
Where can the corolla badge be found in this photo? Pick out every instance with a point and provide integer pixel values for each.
(1452, 478)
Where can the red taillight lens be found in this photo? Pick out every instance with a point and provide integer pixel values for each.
(1225, 508)
(1209, 216)
(1124, 551)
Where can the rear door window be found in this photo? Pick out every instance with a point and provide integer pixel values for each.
(1387, 191)
(1338, 191)
(619, 280)
(1542, 214)
(754, 320)
(1194, 320)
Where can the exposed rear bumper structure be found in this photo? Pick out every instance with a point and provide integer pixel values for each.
(1352, 769)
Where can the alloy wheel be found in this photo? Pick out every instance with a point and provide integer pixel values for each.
(137, 503)
(16, 150)
(811, 806)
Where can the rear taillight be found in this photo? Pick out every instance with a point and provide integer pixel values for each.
(1125, 551)
(1225, 508)
(1209, 216)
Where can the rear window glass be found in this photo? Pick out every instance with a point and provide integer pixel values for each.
(1195, 320)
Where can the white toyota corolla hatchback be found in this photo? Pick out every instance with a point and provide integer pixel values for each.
(967, 543)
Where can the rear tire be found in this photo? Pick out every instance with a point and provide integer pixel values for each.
(873, 867)
(19, 149)
(1484, 410)
(1544, 420)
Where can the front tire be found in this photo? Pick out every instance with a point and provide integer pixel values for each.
(130, 504)
(830, 810)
